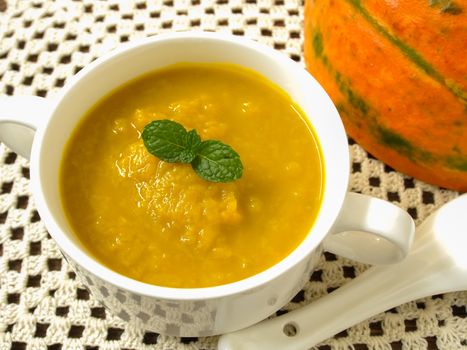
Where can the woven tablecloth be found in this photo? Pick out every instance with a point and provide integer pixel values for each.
(44, 306)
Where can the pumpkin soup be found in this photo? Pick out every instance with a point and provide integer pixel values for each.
(160, 222)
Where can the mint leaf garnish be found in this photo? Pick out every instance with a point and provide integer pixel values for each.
(169, 141)
(212, 160)
(192, 141)
(217, 162)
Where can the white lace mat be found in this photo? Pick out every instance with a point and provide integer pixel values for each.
(43, 306)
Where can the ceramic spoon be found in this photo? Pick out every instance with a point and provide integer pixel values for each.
(436, 264)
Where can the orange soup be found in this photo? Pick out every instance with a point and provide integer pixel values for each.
(161, 223)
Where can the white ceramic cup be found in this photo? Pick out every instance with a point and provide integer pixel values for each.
(386, 231)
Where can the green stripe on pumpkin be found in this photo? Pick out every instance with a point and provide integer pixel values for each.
(355, 100)
(446, 6)
(411, 53)
(386, 136)
(402, 145)
(458, 163)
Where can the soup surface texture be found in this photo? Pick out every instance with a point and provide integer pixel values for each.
(160, 222)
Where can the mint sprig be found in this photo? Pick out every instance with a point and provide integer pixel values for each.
(170, 142)
(211, 159)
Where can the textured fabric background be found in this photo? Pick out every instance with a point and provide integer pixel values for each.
(44, 306)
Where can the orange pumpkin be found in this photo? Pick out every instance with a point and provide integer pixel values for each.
(397, 72)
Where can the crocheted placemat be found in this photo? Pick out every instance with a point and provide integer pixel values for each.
(43, 306)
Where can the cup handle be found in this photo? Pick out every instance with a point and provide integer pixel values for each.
(20, 116)
(371, 230)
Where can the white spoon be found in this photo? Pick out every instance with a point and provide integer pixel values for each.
(436, 264)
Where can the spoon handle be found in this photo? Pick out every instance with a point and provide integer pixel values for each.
(427, 270)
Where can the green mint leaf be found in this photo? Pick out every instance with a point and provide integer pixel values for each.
(217, 162)
(192, 141)
(169, 141)
(212, 160)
